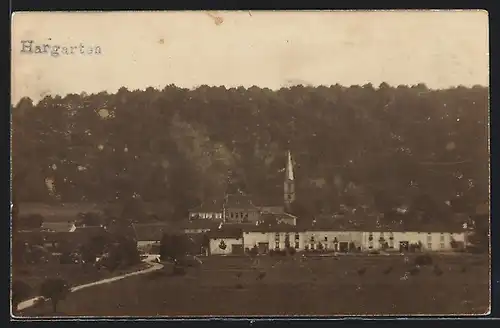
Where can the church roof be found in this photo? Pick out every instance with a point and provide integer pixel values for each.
(240, 201)
(210, 206)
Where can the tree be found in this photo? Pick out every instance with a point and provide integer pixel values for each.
(20, 292)
(173, 247)
(55, 289)
(480, 237)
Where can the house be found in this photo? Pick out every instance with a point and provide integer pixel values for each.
(148, 235)
(266, 237)
(338, 234)
(278, 218)
(68, 226)
(239, 208)
(430, 239)
(271, 209)
(59, 212)
(199, 226)
(208, 210)
(55, 239)
(226, 241)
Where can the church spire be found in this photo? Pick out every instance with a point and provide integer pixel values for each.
(289, 183)
(289, 168)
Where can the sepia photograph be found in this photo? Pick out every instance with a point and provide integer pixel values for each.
(250, 164)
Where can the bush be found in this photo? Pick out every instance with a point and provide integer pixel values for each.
(66, 258)
(291, 251)
(20, 292)
(55, 289)
(254, 251)
(424, 259)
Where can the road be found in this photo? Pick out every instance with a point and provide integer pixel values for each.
(151, 259)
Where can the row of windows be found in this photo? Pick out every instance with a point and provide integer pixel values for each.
(277, 245)
(238, 215)
(441, 245)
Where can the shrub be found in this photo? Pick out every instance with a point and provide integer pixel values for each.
(424, 259)
(254, 251)
(66, 258)
(55, 289)
(20, 291)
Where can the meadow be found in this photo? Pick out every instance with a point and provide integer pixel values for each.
(274, 286)
(74, 274)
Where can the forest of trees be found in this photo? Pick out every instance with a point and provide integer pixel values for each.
(378, 147)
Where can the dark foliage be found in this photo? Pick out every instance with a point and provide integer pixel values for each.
(423, 260)
(55, 289)
(20, 292)
(380, 147)
(174, 247)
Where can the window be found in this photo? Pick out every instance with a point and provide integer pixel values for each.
(296, 245)
(241, 215)
(441, 245)
(326, 238)
(441, 238)
(297, 237)
(277, 237)
(429, 245)
(232, 215)
(429, 238)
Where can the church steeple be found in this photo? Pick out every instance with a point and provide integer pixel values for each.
(289, 183)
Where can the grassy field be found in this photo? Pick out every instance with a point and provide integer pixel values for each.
(34, 275)
(349, 285)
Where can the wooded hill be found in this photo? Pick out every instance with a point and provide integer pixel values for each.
(362, 146)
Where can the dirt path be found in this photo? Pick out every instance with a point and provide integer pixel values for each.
(155, 266)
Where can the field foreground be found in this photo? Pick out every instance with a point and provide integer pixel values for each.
(241, 286)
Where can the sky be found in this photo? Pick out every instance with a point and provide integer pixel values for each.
(246, 48)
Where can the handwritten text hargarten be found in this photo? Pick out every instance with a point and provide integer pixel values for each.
(55, 50)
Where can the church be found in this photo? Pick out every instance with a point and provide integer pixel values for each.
(241, 208)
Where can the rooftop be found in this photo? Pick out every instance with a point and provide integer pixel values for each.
(149, 232)
(58, 226)
(240, 201)
(210, 206)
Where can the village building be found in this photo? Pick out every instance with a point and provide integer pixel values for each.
(266, 238)
(68, 226)
(60, 212)
(226, 242)
(430, 239)
(239, 208)
(243, 208)
(212, 210)
(148, 236)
